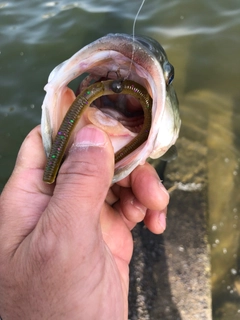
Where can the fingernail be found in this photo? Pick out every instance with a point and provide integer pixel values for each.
(163, 189)
(89, 136)
(162, 220)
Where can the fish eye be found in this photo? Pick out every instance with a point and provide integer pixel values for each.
(168, 70)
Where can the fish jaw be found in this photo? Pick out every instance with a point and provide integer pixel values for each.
(112, 55)
(170, 124)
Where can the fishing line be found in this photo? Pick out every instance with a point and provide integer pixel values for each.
(133, 37)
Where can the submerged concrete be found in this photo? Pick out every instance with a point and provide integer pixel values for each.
(170, 273)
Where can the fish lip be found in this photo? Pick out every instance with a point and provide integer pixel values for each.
(111, 52)
(143, 55)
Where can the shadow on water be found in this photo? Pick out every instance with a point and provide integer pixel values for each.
(150, 295)
(150, 291)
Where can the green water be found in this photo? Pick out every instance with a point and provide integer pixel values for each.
(202, 42)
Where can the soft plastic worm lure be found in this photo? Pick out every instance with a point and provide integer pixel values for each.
(84, 100)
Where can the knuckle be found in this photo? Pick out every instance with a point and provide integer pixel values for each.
(80, 167)
(45, 241)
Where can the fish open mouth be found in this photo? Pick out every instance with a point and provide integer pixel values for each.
(111, 57)
(121, 116)
(123, 108)
(117, 57)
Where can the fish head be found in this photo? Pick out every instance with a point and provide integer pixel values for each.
(142, 60)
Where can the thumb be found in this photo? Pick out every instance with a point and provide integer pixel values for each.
(83, 181)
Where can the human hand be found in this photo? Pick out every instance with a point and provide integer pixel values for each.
(65, 248)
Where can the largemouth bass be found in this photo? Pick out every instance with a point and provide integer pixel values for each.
(109, 60)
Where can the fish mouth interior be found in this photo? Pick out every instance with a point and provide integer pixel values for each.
(122, 107)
